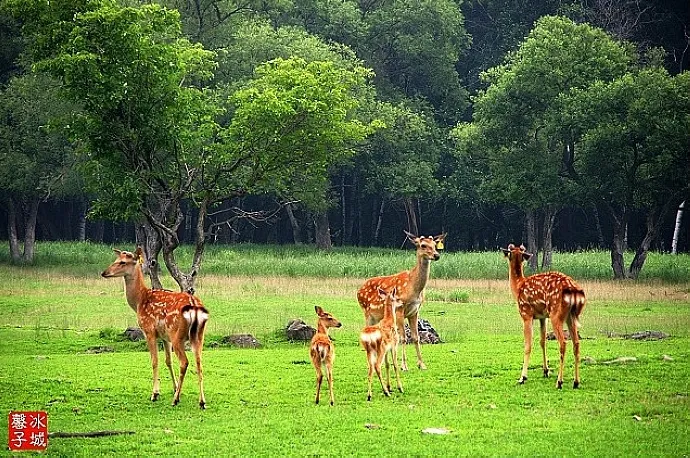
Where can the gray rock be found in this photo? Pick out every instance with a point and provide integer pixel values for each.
(299, 330)
(241, 340)
(134, 334)
(646, 335)
(427, 333)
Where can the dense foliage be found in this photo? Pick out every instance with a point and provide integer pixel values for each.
(563, 124)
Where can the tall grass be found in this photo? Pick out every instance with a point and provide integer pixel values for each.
(85, 259)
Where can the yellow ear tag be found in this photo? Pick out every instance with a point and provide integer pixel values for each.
(140, 260)
(439, 246)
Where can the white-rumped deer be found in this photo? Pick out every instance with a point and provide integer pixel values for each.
(172, 317)
(382, 338)
(410, 285)
(550, 295)
(322, 351)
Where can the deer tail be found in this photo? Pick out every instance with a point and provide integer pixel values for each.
(575, 299)
(196, 317)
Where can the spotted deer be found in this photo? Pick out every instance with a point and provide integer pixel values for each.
(322, 351)
(549, 294)
(382, 338)
(170, 316)
(410, 285)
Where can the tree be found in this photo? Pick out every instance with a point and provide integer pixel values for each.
(155, 137)
(634, 135)
(529, 160)
(36, 157)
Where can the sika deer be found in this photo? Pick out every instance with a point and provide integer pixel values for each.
(322, 350)
(549, 294)
(173, 317)
(380, 339)
(410, 285)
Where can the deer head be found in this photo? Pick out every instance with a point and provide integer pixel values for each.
(326, 318)
(427, 247)
(519, 254)
(124, 264)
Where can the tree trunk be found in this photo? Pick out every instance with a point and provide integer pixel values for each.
(676, 228)
(296, 229)
(322, 231)
(379, 221)
(618, 246)
(655, 218)
(601, 243)
(549, 220)
(83, 204)
(30, 230)
(411, 212)
(12, 232)
(147, 238)
(531, 234)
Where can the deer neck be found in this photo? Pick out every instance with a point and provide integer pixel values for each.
(419, 275)
(135, 288)
(516, 276)
(321, 329)
(388, 315)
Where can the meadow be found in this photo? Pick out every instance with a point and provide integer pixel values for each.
(61, 351)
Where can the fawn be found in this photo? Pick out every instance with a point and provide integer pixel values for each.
(322, 350)
(380, 339)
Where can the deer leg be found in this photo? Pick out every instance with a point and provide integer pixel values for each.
(414, 333)
(371, 360)
(319, 379)
(527, 330)
(572, 328)
(167, 346)
(557, 324)
(542, 331)
(196, 349)
(395, 367)
(153, 350)
(400, 321)
(329, 373)
(388, 373)
(178, 346)
(379, 361)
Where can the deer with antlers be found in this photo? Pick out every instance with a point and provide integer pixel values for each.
(410, 285)
(170, 316)
(382, 338)
(550, 295)
(322, 350)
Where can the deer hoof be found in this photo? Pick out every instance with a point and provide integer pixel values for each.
(560, 384)
(421, 365)
(522, 380)
(546, 373)
(576, 384)
(202, 405)
(369, 398)
(154, 397)
(332, 403)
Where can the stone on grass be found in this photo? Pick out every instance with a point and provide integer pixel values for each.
(298, 330)
(427, 333)
(646, 335)
(134, 334)
(241, 340)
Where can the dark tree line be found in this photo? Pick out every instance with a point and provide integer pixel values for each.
(462, 126)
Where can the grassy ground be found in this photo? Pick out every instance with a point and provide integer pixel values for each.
(260, 402)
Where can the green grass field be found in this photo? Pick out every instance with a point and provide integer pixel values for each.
(260, 402)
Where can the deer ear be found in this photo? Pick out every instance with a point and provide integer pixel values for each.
(394, 291)
(319, 310)
(117, 252)
(506, 252)
(526, 256)
(382, 293)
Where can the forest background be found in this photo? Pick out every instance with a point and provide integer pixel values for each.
(559, 124)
